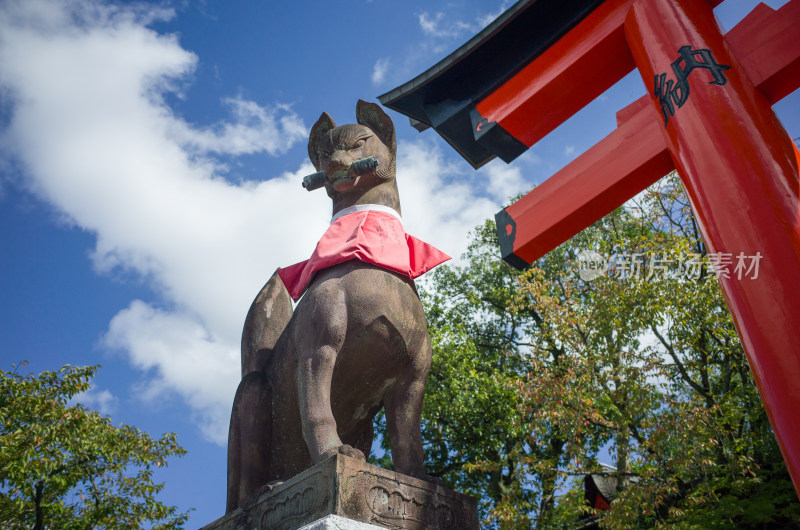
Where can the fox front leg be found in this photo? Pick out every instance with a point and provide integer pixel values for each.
(403, 403)
(317, 347)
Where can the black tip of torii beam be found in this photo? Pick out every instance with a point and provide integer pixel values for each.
(444, 96)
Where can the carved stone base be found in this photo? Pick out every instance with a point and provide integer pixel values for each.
(355, 490)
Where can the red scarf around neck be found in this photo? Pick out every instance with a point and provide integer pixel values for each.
(373, 236)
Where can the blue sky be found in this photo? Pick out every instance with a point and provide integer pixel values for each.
(150, 164)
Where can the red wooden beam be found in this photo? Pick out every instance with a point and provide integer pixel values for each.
(766, 45)
(628, 160)
(572, 72)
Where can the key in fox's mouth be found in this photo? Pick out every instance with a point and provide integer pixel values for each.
(346, 175)
(343, 179)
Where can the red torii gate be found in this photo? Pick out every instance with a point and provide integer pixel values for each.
(708, 115)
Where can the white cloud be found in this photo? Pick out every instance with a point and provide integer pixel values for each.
(255, 129)
(503, 180)
(443, 26)
(90, 127)
(429, 25)
(379, 70)
(102, 401)
(437, 25)
(96, 140)
(569, 150)
(439, 204)
(186, 359)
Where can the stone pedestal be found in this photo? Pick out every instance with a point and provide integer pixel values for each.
(358, 491)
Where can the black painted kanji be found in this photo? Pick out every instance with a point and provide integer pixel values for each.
(672, 94)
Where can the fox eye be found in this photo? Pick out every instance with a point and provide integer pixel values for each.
(359, 143)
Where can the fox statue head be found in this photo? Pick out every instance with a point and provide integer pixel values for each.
(333, 150)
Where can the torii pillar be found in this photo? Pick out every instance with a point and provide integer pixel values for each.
(708, 115)
(740, 170)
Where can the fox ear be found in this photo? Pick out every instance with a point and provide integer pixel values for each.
(324, 124)
(372, 116)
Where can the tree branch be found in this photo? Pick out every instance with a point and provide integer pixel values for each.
(681, 368)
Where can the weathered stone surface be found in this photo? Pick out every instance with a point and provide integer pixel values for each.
(353, 489)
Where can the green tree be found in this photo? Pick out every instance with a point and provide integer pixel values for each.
(472, 423)
(536, 373)
(68, 467)
(706, 456)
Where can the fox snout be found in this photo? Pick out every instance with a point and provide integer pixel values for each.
(340, 160)
(338, 171)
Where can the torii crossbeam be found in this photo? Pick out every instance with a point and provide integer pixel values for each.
(708, 115)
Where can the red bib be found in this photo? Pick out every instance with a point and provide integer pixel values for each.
(372, 236)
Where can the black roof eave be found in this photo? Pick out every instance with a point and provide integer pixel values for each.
(443, 96)
(402, 96)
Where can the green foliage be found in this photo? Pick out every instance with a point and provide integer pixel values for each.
(68, 467)
(536, 373)
(471, 422)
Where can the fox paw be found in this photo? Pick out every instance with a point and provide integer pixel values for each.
(346, 450)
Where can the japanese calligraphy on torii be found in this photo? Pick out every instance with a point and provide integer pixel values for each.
(672, 94)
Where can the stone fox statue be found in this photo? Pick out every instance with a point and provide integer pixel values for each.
(314, 379)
